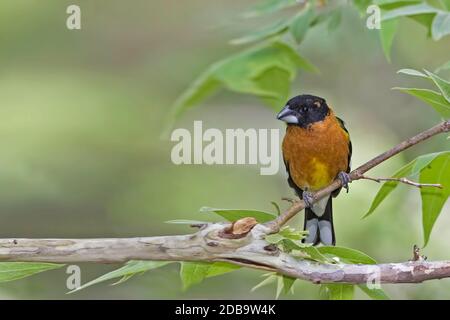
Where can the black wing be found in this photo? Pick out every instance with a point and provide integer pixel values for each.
(291, 182)
(342, 124)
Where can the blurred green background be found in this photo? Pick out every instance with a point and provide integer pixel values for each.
(81, 114)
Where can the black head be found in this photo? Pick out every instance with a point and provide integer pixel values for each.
(304, 110)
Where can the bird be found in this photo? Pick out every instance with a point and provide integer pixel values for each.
(316, 150)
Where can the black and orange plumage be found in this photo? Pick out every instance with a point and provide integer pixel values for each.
(316, 150)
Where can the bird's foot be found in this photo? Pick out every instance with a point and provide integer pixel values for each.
(308, 197)
(345, 179)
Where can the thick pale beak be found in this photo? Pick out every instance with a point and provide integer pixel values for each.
(287, 115)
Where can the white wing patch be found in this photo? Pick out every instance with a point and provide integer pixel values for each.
(325, 232)
(319, 207)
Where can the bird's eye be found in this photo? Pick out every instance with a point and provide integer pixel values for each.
(304, 108)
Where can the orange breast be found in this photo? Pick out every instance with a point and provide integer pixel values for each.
(316, 155)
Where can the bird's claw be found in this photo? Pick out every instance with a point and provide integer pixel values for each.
(344, 177)
(308, 198)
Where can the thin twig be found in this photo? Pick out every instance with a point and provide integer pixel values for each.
(357, 174)
(403, 180)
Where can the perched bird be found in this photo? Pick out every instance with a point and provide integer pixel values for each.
(316, 150)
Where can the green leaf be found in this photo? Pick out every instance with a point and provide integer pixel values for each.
(283, 283)
(362, 5)
(270, 278)
(347, 254)
(271, 31)
(445, 66)
(288, 283)
(219, 268)
(314, 254)
(289, 245)
(393, 4)
(236, 214)
(335, 20)
(195, 272)
(10, 271)
(274, 238)
(318, 19)
(269, 6)
(432, 98)
(410, 169)
(288, 240)
(292, 233)
(443, 85)
(387, 34)
(375, 294)
(280, 286)
(446, 4)
(275, 79)
(202, 88)
(425, 20)
(339, 291)
(248, 72)
(301, 23)
(433, 199)
(412, 72)
(441, 25)
(131, 268)
(410, 10)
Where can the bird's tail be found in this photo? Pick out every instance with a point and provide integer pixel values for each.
(321, 227)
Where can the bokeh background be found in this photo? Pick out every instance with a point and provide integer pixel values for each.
(81, 113)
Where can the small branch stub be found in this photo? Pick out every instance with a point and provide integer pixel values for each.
(241, 243)
(239, 228)
(416, 254)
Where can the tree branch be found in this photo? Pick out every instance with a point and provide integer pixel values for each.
(403, 180)
(241, 243)
(357, 174)
(209, 245)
